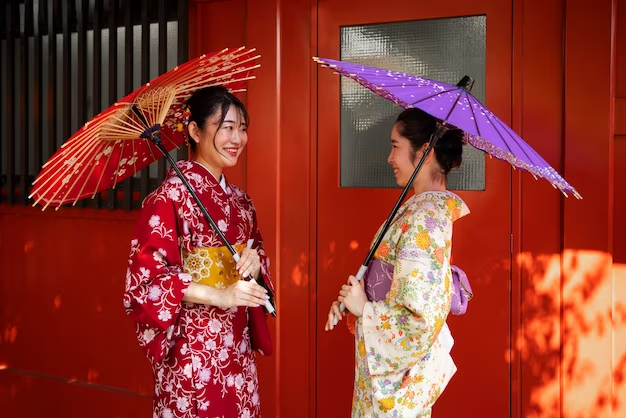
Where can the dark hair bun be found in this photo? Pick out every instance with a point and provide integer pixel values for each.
(417, 126)
(449, 150)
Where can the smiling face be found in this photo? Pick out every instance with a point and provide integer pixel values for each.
(404, 159)
(218, 146)
(401, 157)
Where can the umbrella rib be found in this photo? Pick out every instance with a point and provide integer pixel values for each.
(85, 184)
(181, 79)
(134, 159)
(55, 175)
(198, 79)
(155, 104)
(226, 78)
(76, 142)
(232, 63)
(447, 88)
(211, 77)
(74, 185)
(227, 56)
(94, 166)
(172, 100)
(71, 142)
(150, 149)
(151, 106)
(117, 169)
(220, 83)
(141, 103)
(104, 169)
(115, 131)
(119, 137)
(209, 69)
(130, 119)
(211, 60)
(166, 137)
(147, 113)
(245, 61)
(430, 97)
(56, 169)
(522, 148)
(134, 128)
(165, 106)
(504, 140)
(474, 117)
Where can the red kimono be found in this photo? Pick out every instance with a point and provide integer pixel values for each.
(201, 355)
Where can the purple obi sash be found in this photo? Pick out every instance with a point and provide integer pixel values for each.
(461, 291)
(379, 276)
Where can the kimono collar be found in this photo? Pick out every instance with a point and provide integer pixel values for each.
(222, 181)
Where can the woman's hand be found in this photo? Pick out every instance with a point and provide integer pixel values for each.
(334, 312)
(249, 263)
(242, 293)
(353, 296)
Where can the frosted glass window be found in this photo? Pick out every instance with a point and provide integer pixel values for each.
(441, 49)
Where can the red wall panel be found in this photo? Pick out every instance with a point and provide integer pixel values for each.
(587, 287)
(538, 118)
(61, 307)
(619, 226)
(263, 171)
(215, 25)
(278, 180)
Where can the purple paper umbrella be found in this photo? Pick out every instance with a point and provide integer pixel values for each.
(457, 109)
(456, 106)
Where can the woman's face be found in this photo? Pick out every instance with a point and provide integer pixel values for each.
(400, 157)
(220, 148)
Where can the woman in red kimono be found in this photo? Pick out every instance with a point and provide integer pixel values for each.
(182, 286)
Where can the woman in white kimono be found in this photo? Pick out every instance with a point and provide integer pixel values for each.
(403, 343)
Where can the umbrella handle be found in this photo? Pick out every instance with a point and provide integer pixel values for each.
(268, 305)
(359, 276)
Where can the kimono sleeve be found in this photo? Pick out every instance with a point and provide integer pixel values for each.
(400, 330)
(155, 281)
(265, 261)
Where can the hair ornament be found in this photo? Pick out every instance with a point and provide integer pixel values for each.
(181, 126)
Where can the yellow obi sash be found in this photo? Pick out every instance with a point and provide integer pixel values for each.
(212, 266)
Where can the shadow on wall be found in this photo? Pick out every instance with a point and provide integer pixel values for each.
(570, 334)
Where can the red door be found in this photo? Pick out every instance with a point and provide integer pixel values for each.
(348, 217)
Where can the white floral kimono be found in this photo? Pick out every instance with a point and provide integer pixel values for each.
(403, 343)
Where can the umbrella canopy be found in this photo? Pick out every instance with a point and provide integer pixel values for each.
(112, 145)
(456, 107)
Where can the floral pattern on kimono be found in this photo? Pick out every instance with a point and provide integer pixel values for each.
(403, 343)
(201, 356)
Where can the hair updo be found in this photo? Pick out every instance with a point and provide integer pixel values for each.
(417, 126)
